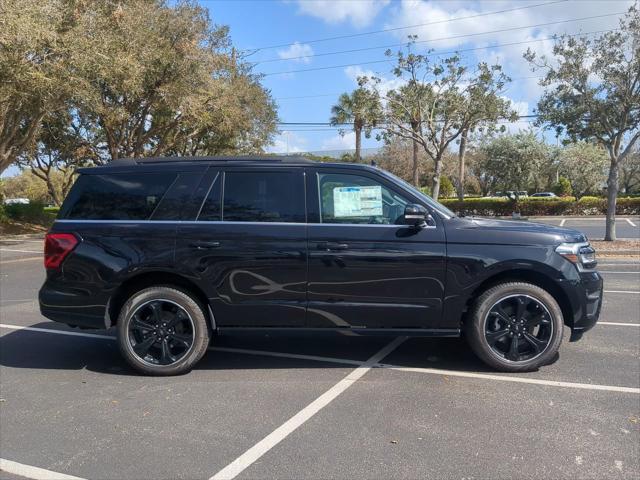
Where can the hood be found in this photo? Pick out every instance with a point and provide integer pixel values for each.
(521, 232)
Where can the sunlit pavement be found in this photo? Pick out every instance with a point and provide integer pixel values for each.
(315, 406)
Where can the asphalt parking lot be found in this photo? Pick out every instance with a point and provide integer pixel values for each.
(627, 227)
(316, 406)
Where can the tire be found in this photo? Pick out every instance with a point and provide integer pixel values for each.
(523, 345)
(162, 331)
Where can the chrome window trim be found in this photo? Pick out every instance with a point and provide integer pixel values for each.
(226, 222)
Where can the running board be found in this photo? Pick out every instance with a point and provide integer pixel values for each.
(408, 332)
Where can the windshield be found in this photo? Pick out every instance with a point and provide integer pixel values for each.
(427, 199)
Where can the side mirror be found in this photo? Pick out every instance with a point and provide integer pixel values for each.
(417, 215)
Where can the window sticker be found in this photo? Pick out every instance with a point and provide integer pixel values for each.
(357, 201)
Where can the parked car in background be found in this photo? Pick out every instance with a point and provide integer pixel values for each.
(543, 195)
(172, 251)
(16, 201)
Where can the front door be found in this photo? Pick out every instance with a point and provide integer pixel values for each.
(367, 269)
(248, 244)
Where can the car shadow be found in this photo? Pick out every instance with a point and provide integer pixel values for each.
(41, 351)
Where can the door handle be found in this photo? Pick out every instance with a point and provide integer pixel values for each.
(204, 245)
(328, 246)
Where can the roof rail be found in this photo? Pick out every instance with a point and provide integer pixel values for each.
(225, 158)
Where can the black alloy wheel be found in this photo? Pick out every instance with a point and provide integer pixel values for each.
(161, 332)
(518, 328)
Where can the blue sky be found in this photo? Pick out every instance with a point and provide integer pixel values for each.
(296, 24)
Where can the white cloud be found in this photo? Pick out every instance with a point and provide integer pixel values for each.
(440, 15)
(522, 108)
(288, 142)
(359, 13)
(386, 83)
(340, 142)
(297, 52)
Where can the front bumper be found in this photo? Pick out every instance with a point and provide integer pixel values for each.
(585, 296)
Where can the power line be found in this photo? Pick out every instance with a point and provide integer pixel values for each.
(355, 50)
(309, 96)
(322, 124)
(330, 67)
(372, 32)
(340, 93)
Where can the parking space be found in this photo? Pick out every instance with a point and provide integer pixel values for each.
(316, 406)
(627, 227)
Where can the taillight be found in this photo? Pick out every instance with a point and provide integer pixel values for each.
(56, 247)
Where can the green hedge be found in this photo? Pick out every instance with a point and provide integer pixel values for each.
(34, 212)
(539, 206)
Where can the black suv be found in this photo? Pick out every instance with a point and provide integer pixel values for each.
(171, 251)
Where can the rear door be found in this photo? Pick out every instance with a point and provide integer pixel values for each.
(248, 245)
(367, 269)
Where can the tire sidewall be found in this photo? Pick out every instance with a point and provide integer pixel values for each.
(185, 301)
(482, 307)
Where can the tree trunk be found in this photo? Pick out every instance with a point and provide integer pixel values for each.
(358, 130)
(415, 167)
(435, 188)
(612, 197)
(6, 159)
(461, 154)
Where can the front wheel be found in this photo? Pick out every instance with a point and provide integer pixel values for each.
(162, 331)
(515, 327)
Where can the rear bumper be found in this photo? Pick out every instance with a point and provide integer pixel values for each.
(73, 306)
(585, 296)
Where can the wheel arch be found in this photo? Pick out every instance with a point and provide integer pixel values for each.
(155, 278)
(529, 276)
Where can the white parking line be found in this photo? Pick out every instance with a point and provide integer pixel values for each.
(283, 431)
(612, 271)
(267, 353)
(505, 378)
(621, 324)
(27, 471)
(56, 332)
(562, 222)
(630, 222)
(20, 251)
(18, 260)
(634, 292)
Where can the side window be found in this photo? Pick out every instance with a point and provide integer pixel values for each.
(355, 199)
(175, 202)
(210, 211)
(116, 196)
(264, 197)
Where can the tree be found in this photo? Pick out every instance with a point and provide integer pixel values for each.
(562, 188)
(406, 106)
(583, 165)
(446, 186)
(512, 161)
(630, 172)
(25, 185)
(361, 108)
(447, 100)
(36, 45)
(165, 80)
(134, 78)
(58, 151)
(592, 92)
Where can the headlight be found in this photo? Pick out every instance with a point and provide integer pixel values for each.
(582, 255)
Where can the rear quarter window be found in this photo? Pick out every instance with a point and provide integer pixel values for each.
(122, 196)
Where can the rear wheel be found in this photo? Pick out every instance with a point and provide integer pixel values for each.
(515, 327)
(162, 331)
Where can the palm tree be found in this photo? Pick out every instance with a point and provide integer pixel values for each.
(362, 108)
